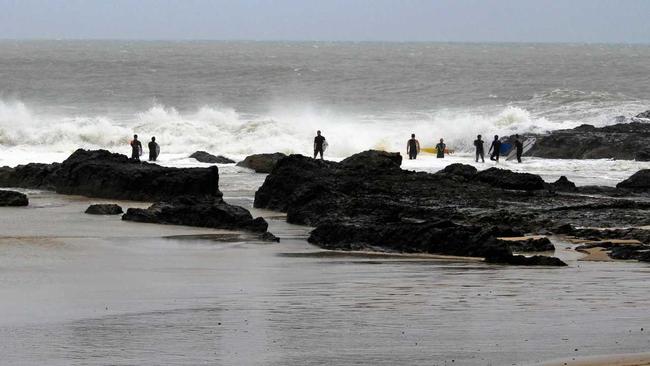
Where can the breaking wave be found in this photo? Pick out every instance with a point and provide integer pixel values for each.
(290, 130)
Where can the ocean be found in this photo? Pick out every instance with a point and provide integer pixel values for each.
(238, 98)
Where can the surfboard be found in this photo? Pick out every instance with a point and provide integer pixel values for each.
(157, 150)
(506, 148)
(434, 150)
(528, 144)
(325, 145)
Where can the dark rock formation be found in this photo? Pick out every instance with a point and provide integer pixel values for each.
(639, 181)
(205, 157)
(510, 180)
(207, 211)
(530, 245)
(261, 163)
(643, 155)
(104, 209)
(462, 170)
(367, 202)
(102, 174)
(645, 114)
(564, 184)
(619, 141)
(11, 198)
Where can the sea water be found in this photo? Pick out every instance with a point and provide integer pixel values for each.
(77, 289)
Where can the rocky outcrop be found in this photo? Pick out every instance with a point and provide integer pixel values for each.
(13, 199)
(207, 211)
(102, 174)
(643, 155)
(619, 141)
(645, 115)
(534, 244)
(639, 181)
(367, 202)
(563, 184)
(104, 209)
(261, 163)
(205, 157)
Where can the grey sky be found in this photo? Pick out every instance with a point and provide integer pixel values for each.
(613, 21)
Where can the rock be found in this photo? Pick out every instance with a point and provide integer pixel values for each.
(564, 184)
(463, 170)
(639, 181)
(618, 141)
(261, 163)
(530, 245)
(373, 160)
(205, 211)
(510, 180)
(99, 173)
(642, 155)
(11, 198)
(536, 260)
(104, 209)
(205, 157)
(645, 114)
(367, 202)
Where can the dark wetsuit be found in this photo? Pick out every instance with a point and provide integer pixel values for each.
(413, 149)
(479, 150)
(496, 150)
(520, 149)
(318, 146)
(153, 151)
(136, 149)
(440, 149)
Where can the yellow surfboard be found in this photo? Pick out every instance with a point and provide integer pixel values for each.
(434, 150)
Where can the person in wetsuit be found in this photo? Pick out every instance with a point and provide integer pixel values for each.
(153, 149)
(495, 149)
(440, 149)
(319, 140)
(136, 148)
(412, 147)
(480, 152)
(520, 148)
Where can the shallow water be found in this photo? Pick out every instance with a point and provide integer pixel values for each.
(85, 290)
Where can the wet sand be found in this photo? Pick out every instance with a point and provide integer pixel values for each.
(77, 289)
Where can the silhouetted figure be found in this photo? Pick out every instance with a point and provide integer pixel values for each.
(319, 142)
(440, 149)
(495, 149)
(520, 148)
(412, 147)
(136, 148)
(154, 149)
(480, 151)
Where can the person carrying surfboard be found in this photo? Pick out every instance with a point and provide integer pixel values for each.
(319, 142)
(519, 146)
(480, 150)
(136, 148)
(495, 149)
(412, 147)
(154, 149)
(440, 149)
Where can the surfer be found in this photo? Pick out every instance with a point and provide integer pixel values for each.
(154, 149)
(440, 148)
(479, 149)
(495, 149)
(319, 141)
(412, 147)
(136, 148)
(519, 146)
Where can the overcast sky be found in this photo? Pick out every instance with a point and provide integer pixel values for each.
(609, 21)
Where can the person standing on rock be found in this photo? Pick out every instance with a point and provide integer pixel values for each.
(412, 147)
(136, 148)
(519, 146)
(480, 151)
(154, 149)
(319, 145)
(495, 149)
(440, 149)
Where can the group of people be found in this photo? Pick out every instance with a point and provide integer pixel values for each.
(136, 149)
(413, 148)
